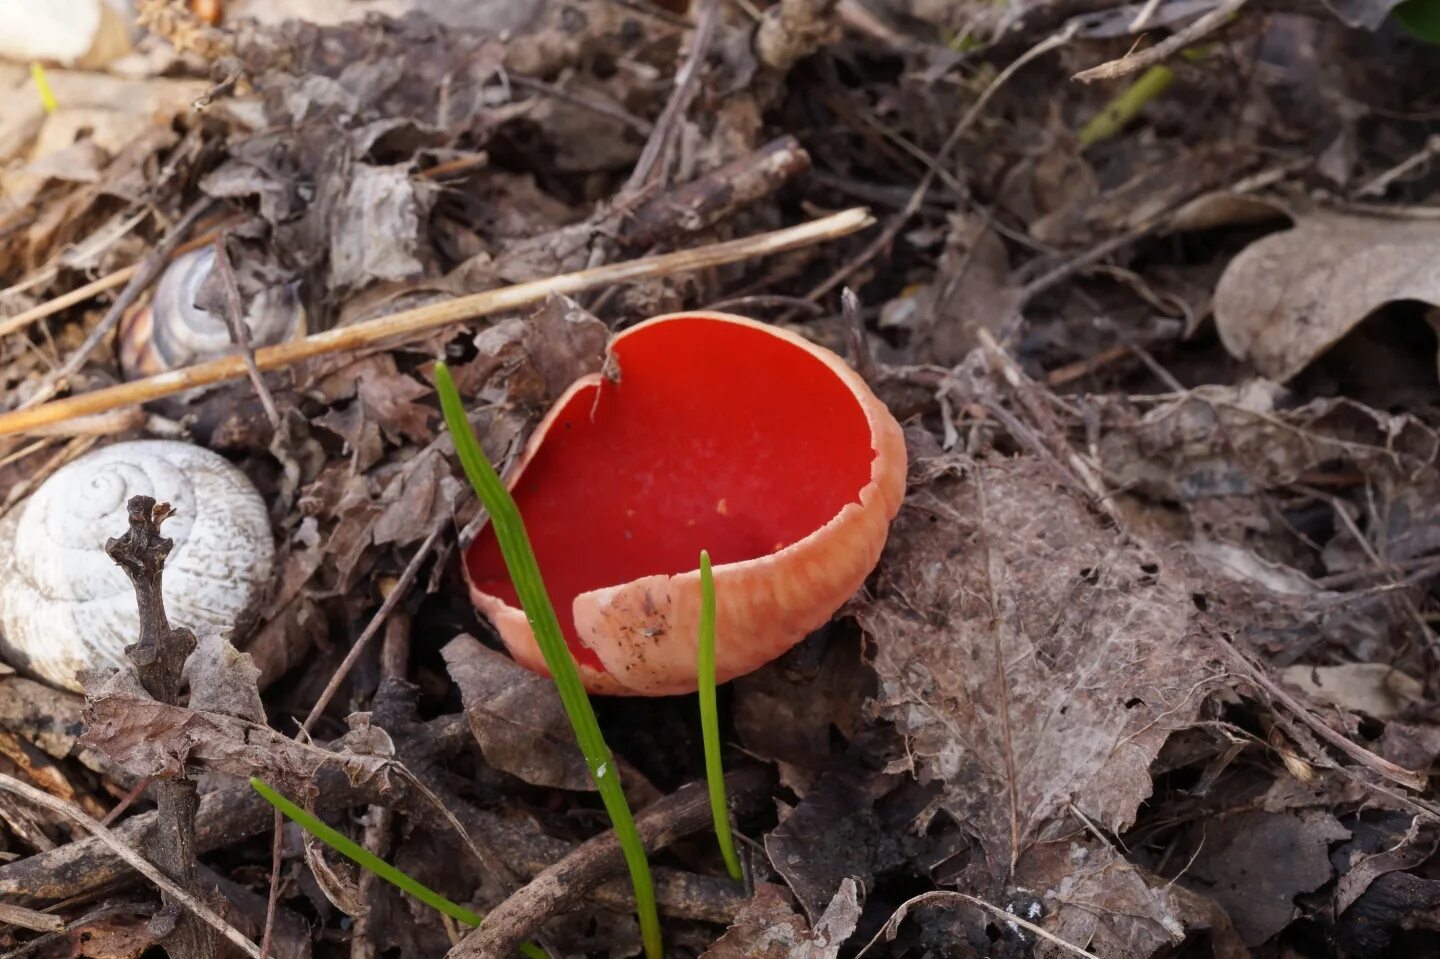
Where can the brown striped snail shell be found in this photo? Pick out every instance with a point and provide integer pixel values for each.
(66, 606)
(170, 331)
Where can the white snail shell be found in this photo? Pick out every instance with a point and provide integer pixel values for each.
(170, 332)
(64, 603)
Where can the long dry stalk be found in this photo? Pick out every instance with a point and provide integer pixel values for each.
(410, 323)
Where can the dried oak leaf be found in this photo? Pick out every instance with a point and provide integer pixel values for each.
(1035, 660)
(768, 927)
(1289, 297)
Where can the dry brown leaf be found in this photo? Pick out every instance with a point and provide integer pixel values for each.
(1236, 440)
(1034, 659)
(123, 936)
(1373, 688)
(769, 928)
(416, 500)
(151, 739)
(1286, 299)
(516, 717)
(565, 342)
(831, 836)
(1254, 864)
(378, 225)
(782, 713)
(223, 679)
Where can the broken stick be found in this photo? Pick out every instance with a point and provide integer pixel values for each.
(562, 886)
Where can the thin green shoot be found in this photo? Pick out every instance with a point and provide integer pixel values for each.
(710, 719)
(524, 571)
(1113, 117)
(363, 857)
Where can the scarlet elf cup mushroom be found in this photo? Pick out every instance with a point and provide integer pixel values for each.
(718, 433)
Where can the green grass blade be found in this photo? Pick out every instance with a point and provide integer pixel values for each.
(710, 719)
(524, 571)
(363, 857)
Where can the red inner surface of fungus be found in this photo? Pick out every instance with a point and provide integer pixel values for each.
(719, 436)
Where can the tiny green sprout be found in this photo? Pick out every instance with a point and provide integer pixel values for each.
(535, 600)
(710, 720)
(363, 857)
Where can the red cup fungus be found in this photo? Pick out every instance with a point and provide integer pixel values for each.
(719, 433)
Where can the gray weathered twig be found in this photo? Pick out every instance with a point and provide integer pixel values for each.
(159, 658)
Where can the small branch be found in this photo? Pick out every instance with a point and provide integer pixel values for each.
(240, 333)
(411, 323)
(652, 162)
(1166, 48)
(30, 919)
(160, 654)
(136, 861)
(159, 659)
(715, 196)
(562, 886)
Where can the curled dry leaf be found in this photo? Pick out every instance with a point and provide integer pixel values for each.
(516, 716)
(223, 679)
(1289, 297)
(769, 928)
(335, 880)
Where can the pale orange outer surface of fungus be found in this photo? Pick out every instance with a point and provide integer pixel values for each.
(722, 434)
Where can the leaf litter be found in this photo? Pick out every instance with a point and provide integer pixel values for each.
(1147, 668)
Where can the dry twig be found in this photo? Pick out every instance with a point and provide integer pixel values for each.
(1177, 41)
(560, 887)
(139, 863)
(409, 323)
(159, 659)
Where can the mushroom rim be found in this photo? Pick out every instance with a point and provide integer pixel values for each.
(886, 484)
(832, 361)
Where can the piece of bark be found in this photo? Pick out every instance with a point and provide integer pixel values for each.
(718, 194)
(562, 886)
(159, 660)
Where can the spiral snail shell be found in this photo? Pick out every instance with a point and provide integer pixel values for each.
(66, 606)
(170, 331)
